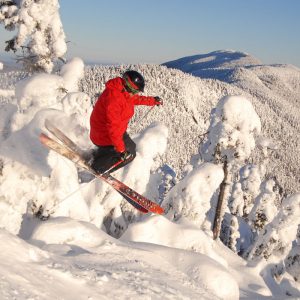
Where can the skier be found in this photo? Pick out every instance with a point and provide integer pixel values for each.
(109, 121)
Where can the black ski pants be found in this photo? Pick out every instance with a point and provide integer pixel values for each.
(105, 157)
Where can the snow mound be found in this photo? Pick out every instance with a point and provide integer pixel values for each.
(69, 231)
(110, 271)
(216, 278)
(180, 236)
(212, 273)
(17, 248)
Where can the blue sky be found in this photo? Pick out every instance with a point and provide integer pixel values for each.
(155, 31)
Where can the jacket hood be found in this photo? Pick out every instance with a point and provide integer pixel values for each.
(115, 83)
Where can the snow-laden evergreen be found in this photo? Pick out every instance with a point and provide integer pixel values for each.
(277, 237)
(191, 198)
(292, 261)
(234, 125)
(264, 208)
(40, 34)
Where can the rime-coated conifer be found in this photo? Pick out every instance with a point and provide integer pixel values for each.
(292, 261)
(264, 208)
(277, 237)
(40, 36)
(231, 139)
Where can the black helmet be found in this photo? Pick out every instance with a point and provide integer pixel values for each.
(134, 81)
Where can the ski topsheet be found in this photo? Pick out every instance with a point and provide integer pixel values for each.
(71, 151)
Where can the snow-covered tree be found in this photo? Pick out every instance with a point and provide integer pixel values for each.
(191, 197)
(231, 232)
(292, 261)
(250, 178)
(277, 237)
(40, 32)
(231, 138)
(234, 124)
(236, 201)
(264, 209)
(244, 190)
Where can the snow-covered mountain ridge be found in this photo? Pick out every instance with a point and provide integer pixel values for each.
(274, 91)
(211, 64)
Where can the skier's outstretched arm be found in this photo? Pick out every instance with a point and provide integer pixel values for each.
(145, 100)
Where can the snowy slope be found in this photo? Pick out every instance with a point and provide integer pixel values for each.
(70, 255)
(83, 262)
(275, 93)
(68, 259)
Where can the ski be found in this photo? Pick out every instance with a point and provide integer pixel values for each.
(77, 159)
(62, 137)
(138, 201)
(73, 147)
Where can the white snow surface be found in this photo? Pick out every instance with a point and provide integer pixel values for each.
(95, 245)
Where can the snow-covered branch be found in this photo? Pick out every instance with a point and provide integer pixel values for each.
(40, 33)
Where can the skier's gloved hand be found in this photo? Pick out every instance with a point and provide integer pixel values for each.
(125, 155)
(158, 101)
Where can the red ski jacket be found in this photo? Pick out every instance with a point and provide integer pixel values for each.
(112, 112)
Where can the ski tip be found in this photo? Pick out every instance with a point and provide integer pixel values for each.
(158, 210)
(43, 137)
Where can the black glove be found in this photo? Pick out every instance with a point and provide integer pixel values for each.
(158, 101)
(125, 155)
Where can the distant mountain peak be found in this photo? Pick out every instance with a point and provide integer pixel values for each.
(221, 59)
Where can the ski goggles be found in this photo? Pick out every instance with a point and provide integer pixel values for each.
(129, 86)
